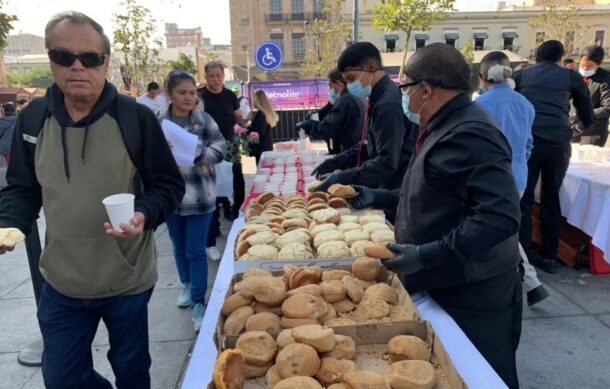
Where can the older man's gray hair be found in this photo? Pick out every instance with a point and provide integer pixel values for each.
(76, 18)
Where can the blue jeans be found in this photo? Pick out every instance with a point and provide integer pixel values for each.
(189, 235)
(68, 326)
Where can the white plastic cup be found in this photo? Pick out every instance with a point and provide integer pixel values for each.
(120, 209)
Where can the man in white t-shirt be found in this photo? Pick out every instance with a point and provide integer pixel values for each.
(152, 99)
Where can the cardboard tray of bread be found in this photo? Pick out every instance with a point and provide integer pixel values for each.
(258, 300)
(404, 354)
(319, 228)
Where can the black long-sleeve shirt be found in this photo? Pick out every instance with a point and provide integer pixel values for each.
(549, 87)
(343, 123)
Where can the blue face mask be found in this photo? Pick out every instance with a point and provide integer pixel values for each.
(587, 73)
(333, 96)
(356, 89)
(412, 116)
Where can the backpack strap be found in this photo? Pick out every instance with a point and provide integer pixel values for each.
(127, 118)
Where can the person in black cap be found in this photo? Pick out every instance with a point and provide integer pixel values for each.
(457, 223)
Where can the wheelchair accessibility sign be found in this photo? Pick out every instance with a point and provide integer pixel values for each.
(269, 56)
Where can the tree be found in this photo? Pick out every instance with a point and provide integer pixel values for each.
(134, 31)
(38, 77)
(6, 25)
(327, 37)
(559, 22)
(467, 51)
(185, 63)
(409, 15)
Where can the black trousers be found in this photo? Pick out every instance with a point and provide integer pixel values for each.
(239, 189)
(551, 164)
(489, 312)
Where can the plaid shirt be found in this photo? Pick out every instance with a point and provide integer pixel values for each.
(200, 180)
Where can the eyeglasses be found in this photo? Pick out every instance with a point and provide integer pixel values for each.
(403, 87)
(65, 58)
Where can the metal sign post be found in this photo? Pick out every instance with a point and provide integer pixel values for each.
(269, 56)
(31, 355)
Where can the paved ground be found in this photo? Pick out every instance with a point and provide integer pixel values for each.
(565, 341)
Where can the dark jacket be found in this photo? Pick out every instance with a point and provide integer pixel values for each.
(343, 123)
(458, 201)
(388, 146)
(599, 91)
(163, 186)
(265, 134)
(549, 87)
(7, 128)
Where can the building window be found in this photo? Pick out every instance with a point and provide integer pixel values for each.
(599, 38)
(318, 6)
(419, 43)
(539, 38)
(508, 44)
(278, 38)
(451, 38)
(298, 10)
(450, 42)
(479, 40)
(275, 6)
(298, 45)
(390, 42)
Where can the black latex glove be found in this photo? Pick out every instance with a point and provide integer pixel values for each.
(406, 261)
(308, 125)
(331, 179)
(365, 197)
(325, 167)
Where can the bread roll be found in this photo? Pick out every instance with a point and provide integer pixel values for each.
(339, 321)
(270, 290)
(257, 347)
(372, 308)
(349, 218)
(337, 203)
(355, 235)
(333, 370)
(371, 218)
(294, 223)
(295, 214)
(408, 347)
(298, 382)
(345, 348)
(294, 251)
(264, 321)
(316, 200)
(272, 377)
(327, 236)
(384, 291)
(333, 291)
(229, 370)
(263, 237)
(383, 236)
(319, 195)
(256, 272)
(378, 250)
(334, 275)
(242, 248)
(316, 207)
(233, 302)
(264, 198)
(322, 228)
(302, 276)
(284, 338)
(261, 308)
(342, 191)
(344, 306)
(364, 380)
(410, 375)
(253, 371)
(349, 226)
(313, 289)
(286, 322)
(333, 249)
(321, 339)
(366, 268)
(328, 215)
(301, 306)
(354, 290)
(331, 312)
(262, 251)
(297, 359)
(337, 386)
(236, 322)
(291, 237)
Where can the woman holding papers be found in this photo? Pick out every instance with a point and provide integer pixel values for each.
(264, 120)
(188, 228)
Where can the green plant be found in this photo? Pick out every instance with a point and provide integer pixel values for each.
(239, 146)
(6, 25)
(559, 22)
(38, 77)
(409, 15)
(184, 63)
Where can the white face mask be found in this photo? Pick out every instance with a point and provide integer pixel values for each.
(586, 73)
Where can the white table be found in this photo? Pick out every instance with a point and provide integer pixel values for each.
(585, 201)
(472, 367)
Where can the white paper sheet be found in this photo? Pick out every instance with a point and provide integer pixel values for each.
(184, 144)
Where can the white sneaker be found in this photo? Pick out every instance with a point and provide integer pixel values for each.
(213, 253)
(184, 300)
(198, 312)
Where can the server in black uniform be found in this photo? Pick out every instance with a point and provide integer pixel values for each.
(457, 224)
(381, 156)
(342, 125)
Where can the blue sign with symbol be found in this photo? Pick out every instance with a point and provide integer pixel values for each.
(269, 56)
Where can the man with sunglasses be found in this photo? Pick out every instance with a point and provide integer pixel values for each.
(72, 149)
(457, 224)
(381, 156)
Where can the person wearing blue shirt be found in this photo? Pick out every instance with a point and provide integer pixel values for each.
(515, 116)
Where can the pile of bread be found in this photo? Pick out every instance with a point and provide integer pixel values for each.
(320, 225)
(308, 295)
(313, 357)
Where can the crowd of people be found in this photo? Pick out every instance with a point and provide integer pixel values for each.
(456, 177)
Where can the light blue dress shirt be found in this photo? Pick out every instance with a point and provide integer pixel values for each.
(515, 116)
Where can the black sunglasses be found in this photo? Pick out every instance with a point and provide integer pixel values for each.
(403, 87)
(65, 58)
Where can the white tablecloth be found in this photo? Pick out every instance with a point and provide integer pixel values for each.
(472, 367)
(585, 201)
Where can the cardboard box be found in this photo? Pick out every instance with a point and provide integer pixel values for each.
(404, 301)
(371, 343)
